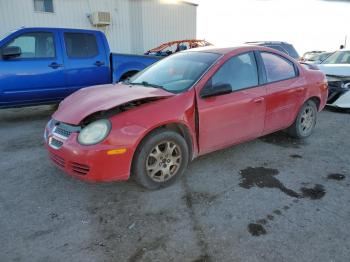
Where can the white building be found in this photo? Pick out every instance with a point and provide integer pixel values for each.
(135, 25)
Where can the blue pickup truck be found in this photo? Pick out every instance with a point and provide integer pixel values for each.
(44, 65)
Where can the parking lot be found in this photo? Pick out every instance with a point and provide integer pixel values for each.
(271, 199)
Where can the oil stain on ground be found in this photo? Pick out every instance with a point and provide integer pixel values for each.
(263, 177)
(296, 156)
(316, 192)
(283, 140)
(266, 178)
(256, 229)
(336, 176)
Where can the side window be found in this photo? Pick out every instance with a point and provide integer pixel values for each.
(239, 71)
(80, 45)
(35, 45)
(277, 68)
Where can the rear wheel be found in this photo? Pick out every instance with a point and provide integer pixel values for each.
(305, 122)
(160, 159)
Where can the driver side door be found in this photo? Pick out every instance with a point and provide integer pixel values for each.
(36, 74)
(237, 116)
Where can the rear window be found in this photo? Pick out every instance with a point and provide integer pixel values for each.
(80, 45)
(285, 48)
(291, 51)
(279, 48)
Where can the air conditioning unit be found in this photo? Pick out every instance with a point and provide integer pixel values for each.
(101, 18)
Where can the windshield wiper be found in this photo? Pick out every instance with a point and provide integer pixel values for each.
(146, 84)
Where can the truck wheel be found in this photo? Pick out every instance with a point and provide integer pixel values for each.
(160, 159)
(305, 122)
(128, 75)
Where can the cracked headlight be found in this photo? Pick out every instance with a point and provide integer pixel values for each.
(94, 132)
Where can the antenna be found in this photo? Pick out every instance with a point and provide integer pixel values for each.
(346, 37)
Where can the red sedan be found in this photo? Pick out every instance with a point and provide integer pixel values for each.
(185, 105)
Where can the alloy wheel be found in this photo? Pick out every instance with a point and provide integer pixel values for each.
(163, 161)
(307, 119)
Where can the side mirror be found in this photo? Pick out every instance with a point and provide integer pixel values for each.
(11, 51)
(216, 90)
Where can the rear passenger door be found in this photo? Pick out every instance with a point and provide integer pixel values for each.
(284, 89)
(87, 63)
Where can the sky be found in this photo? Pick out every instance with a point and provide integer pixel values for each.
(307, 24)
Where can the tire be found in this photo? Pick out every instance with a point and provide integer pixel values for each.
(153, 165)
(305, 122)
(127, 75)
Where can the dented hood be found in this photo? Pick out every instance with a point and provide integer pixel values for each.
(87, 101)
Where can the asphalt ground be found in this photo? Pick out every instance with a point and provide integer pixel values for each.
(271, 199)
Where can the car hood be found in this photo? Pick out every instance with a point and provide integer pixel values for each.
(335, 69)
(87, 101)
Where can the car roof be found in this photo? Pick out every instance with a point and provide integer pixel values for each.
(226, 50)
(213, 49)
(267, 42)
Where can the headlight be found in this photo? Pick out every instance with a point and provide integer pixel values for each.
(94, 132)
(51, 124)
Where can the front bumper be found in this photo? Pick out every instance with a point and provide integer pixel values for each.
(338, 97)
(90, 163)
(339, 92)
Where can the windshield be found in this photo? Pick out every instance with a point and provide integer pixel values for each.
(177, 72)
(339, 57)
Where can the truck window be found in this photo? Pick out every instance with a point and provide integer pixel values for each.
(35, 45)
(80, 45)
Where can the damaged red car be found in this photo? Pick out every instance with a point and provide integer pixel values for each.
(186, 105)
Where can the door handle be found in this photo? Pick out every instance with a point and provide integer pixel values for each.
(54, 65)
(258, 100)
(99, 63)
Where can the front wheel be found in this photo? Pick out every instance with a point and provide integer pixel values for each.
(160, 159)
(305, 122)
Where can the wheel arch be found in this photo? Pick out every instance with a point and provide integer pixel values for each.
(128, 74)
(178, 127)
(317, 101)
